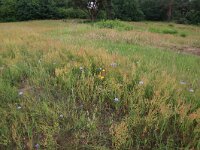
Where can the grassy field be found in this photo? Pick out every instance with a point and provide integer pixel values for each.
(104, 85)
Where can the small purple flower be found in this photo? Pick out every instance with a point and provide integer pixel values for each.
(113, 64)
(116, 100)
(37, 146)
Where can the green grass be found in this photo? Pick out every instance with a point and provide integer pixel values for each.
(164, 31)
(114, 24)
(70, 85)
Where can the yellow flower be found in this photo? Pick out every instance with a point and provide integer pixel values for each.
(102, 74)
(101, 77)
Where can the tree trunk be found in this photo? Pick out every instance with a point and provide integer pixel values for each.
(109, 9)
(169, 11)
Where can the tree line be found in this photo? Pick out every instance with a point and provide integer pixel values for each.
(181, 11)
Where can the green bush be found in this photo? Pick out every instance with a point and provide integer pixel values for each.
(193, 17)
(114, 24)
(183, 34)
(163, 31)
(169, 31)
(102, 15)
(71, 13)
(182, 21)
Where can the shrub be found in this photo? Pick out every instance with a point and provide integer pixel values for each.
(183, 34)
(163, 31)
(114, 24)
(193, 17)
(182, 21)
(102, 15)
(71, 13)
(169, 31)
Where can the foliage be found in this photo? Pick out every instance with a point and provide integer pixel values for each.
(181, 11)
(118, 90)
(114, 24)
(127, 10)
(71, 13)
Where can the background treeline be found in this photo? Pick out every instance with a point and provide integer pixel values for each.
(181, 11)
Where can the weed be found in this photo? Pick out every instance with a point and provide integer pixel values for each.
(114, 24)
(117, 90)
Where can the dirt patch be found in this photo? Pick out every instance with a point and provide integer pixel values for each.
(191, 50)
(187, 49)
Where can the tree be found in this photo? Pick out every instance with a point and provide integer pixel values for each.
(27, 9)
(93, 9)
(8, 10)
(127, 10)
(169, 9)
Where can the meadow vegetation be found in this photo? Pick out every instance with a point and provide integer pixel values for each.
(106, 85)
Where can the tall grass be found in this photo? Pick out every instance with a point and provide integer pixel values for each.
(63, 91)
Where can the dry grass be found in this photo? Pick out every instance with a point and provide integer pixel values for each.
(72, 85)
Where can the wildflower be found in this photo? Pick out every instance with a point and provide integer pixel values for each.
(102, 74)
(183, 83)
(141, 82)
(20, 93)
(116, 100)
(81, 69)
(37, 146)
(101, 77)
(19, 107)
(113, 64)
(61, 116)
(191, 90)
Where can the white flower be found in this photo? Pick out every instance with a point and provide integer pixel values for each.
(141, 82)
(20, 93)
(19, 107)
(61, 116)
(116, 100)
(183, 82)
(191, 90)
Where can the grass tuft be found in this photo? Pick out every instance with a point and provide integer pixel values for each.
(114, 24)
(117, 90)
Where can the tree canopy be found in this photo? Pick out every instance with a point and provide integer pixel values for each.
(182, 11)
